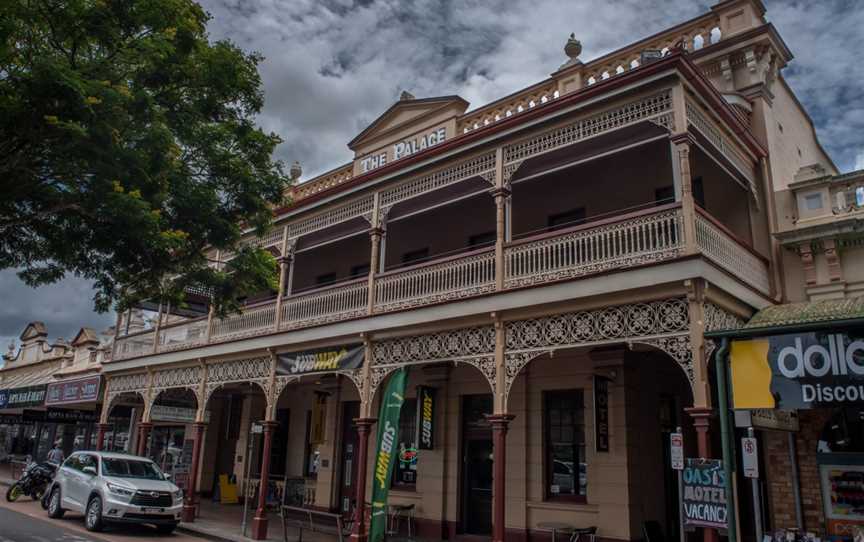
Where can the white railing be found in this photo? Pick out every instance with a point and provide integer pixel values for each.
(338, 302)
(637, 239)
(252, 321)
(732, 255)
(185, 335)
(133, 346)
(459, 276)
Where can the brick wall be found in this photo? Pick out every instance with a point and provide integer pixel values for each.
(779, 480)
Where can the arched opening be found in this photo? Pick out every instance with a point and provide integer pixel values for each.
(592, 427)
(124, 414)
(170, 440)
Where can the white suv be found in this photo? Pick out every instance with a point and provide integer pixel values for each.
(115, 488)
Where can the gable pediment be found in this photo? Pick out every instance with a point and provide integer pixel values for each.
(34, 331)
(85, 336)
(408, 113)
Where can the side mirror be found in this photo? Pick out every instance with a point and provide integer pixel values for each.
(90, 470)
(166, 475)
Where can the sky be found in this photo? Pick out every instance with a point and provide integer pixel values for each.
(332, 66)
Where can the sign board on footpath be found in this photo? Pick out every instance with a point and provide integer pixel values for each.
(704, 496)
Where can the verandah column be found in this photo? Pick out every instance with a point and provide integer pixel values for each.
(501, 193)
(376, 235)
(259, 522)
(189, 502)
(143, 433)
(101, 429)
(500, 422)
(364, 428)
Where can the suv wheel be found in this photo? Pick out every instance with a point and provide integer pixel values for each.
(93, 515)
(55, 510)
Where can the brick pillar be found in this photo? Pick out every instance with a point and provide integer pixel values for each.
(500, 423)
(259, 522)
(143, 432)
(189, 502)
(364, 427)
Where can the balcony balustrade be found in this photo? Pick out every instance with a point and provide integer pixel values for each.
(625, 241)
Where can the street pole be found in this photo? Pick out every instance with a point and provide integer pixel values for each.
(728, 455)
(681, 533)
(796, 484)
(757, 500)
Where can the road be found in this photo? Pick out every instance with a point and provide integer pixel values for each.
(25, 521)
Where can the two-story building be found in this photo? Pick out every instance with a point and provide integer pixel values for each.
(546, 265)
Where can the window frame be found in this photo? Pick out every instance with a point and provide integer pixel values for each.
(395, 483)
(548, 460)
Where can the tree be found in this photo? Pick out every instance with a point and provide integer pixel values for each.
(128, 149)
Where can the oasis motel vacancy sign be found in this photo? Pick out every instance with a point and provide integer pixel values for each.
(798, 370)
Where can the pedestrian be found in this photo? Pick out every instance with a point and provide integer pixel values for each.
(56, 454)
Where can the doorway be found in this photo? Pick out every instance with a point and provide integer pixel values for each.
(476, 509)
(348, 458)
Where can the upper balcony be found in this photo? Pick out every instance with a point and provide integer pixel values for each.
(607, 205)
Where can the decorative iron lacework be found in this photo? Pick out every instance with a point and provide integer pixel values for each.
(651, 323)
(343, 213)
(651, 107)
(696, 118)
(717, 318)
(125, 383)
(443, 345)
(180, 377)
(439, 179)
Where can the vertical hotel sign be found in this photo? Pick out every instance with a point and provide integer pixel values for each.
(601, 413)
(425, 418)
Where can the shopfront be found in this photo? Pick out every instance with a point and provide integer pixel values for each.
(804, 386)
(25, 436)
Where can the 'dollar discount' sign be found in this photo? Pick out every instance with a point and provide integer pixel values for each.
(704, 493)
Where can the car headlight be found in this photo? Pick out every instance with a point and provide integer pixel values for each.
(178, 496)
(120, 490)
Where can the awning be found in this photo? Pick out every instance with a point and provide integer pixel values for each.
(791, 317)
(37, 375)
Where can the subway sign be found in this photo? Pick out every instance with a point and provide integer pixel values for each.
(425, 418)
(798, 370)
(320, 360)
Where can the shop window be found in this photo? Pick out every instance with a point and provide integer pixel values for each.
(312, 456)
(566, 219)
(405, 470)
(564, 428)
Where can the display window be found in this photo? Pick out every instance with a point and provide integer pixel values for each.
(405, 469)
(841, 472)
(564, 428)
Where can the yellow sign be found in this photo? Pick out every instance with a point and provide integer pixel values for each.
(227, 490)
(751, 374)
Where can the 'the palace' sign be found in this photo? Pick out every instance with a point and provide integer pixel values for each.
(402, 149)
(798, 371)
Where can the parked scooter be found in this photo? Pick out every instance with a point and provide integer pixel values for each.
(34, 482)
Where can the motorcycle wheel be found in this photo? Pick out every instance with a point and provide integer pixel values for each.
(14, 492)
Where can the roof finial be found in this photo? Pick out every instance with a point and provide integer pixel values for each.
(295, 171)
(406, 96)
(573, 48)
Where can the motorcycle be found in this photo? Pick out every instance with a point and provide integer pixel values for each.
(34, 482)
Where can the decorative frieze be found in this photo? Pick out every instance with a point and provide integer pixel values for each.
(444, 345)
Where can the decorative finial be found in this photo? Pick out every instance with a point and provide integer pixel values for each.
(573, 48)
(295, 170)
(406, 96)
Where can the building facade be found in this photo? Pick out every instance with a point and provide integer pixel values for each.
(546, 266)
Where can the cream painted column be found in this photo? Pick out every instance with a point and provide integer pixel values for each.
(681, 158)
(283, 263)
(376, 235)
(501, 193)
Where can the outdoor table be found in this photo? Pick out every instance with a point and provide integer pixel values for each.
(555, 527)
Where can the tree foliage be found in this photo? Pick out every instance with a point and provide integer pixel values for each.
(128, 147)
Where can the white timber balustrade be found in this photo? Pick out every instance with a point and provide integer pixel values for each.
(721, 247)
(455, 277)
(639, 238)
(183, 335)
(252, 321)
(338, 302)
(132, 346)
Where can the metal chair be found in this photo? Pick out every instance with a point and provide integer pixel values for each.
(577, 534)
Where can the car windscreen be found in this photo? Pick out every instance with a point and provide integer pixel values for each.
(128, 468)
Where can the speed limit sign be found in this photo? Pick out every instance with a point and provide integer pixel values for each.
(750, 457)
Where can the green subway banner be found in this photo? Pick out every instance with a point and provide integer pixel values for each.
(385, 457)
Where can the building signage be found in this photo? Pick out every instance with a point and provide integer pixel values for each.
(676, 451)
(165, 413)
(403, 148)
(425, 418)
(30, 396)
(320, 360)
(601, 413)
(13, 419)
(82, 390)
(750, 457)
(798, 371)
(704, 495)
(59, 415)
(767, 419)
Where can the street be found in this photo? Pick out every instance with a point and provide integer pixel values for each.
(25, 521)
